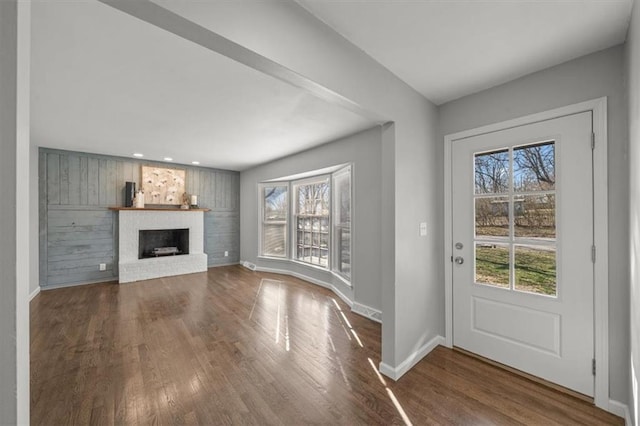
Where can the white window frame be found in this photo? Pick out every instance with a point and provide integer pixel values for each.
(291, 237)
(261, 220)
(294, 218)
(346, 170)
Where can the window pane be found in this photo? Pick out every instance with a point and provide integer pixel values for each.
(275, 210)
(274, 238)
(534, 167)
(492, 264)
(312, 219)
(342, 222)
(535, 216)
(535, 269)
(492, 172)
(343, 258)
(275, 203)
(313, 199)
(492, 216)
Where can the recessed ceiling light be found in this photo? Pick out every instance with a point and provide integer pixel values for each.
(168, 159)
(195, 162)
(137, 154)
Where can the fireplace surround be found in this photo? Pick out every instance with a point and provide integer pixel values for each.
(132, 221)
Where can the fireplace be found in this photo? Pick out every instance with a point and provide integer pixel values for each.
(132, 223)
(162, 242)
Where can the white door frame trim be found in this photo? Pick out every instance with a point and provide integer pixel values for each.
(601, 229)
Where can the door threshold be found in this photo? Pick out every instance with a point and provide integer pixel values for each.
(528, 376)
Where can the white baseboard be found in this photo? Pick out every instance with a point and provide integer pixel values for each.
(622, 410)
(396, 372)
(367, 312)
(324, 284)
(358, 308)
(34, 293)
(99, 281)
(222, 264)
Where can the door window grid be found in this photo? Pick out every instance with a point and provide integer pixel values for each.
(515, 214)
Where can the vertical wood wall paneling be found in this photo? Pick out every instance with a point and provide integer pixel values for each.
(84, 181)
(64, 180)
(74, 180)
(53, 179)
(78, 232)
(43, 198)
(93, 181)
(79, 239)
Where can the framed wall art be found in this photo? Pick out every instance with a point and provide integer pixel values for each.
(163, 186)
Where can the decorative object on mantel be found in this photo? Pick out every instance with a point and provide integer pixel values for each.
(129, 193)
(185, 201)
(162, 186)
(194, 201)
(138, 200)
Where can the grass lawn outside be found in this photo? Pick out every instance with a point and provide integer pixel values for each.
(535, 268)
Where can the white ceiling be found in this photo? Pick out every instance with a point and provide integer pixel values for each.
(449, 49)
(105, 82)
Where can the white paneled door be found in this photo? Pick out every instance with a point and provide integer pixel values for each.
(523, 276)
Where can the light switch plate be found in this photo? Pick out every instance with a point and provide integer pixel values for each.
(423, 229)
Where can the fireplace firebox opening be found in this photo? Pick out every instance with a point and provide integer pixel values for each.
(163, 242)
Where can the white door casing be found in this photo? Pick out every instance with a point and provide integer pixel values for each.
(488, 307)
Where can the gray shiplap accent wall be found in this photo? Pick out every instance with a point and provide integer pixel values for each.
(78, 231)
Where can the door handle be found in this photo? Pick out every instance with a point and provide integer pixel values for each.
(459, 260)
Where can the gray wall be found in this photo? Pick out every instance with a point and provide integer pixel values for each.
(78, 231)
(363, 150)
(633, 87)
(8, 67)
(412, 266)
(14, 217)
(585, 78)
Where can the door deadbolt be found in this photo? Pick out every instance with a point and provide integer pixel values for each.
(459, 246)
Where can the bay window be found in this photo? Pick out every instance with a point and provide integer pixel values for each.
(319, 232)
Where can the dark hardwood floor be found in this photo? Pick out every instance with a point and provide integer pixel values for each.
(232, 346)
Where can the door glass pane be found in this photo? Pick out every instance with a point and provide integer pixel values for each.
(492, 264)
(534, 167)
(492, 217)
(492, 172)
(535, 216)
(535, 269)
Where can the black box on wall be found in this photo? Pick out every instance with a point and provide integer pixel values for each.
(129, 193)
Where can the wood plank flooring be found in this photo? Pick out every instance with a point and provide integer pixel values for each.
(232, 346)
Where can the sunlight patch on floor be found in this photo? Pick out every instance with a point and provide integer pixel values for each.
(344, 320)
(375, 370)
(404, 416)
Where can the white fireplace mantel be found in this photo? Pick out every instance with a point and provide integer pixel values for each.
(132, 221)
